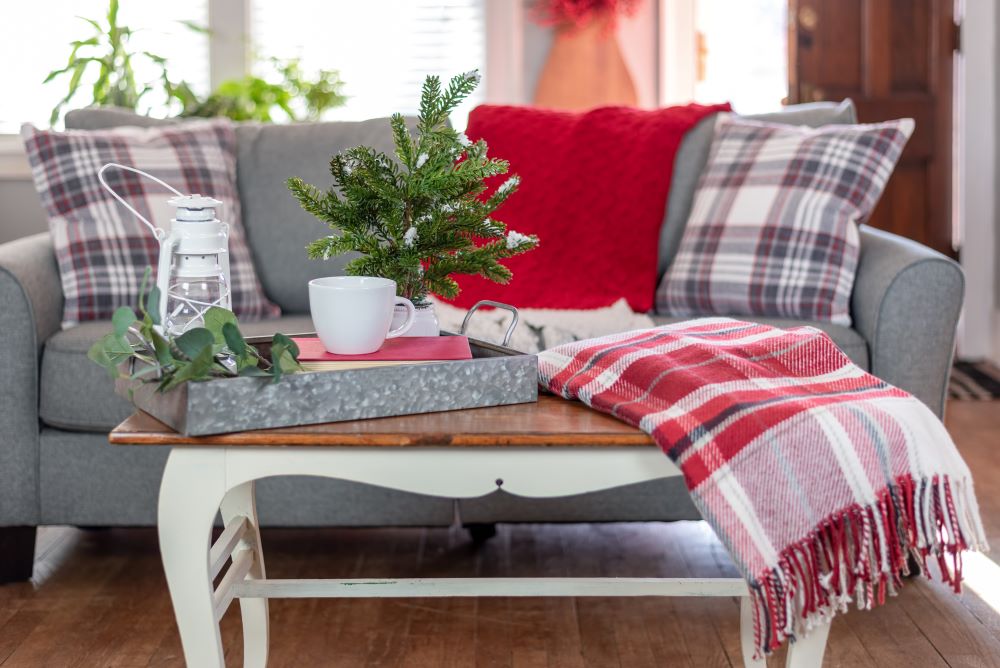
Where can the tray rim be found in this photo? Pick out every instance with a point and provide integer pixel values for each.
(503, 351)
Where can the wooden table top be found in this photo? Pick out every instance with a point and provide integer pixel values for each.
(551, 422)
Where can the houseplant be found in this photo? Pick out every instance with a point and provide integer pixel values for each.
(424, 217)
(107, 58)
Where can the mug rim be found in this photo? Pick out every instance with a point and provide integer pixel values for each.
(352, 283)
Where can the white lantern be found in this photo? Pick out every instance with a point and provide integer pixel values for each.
(193, 272)
(193, 269)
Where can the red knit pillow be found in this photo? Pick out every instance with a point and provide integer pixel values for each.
(593, 188)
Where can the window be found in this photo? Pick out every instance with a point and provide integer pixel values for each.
(30, 50)
(750, 72)
(719, 50)
(383, 49)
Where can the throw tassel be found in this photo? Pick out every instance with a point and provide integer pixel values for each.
(861, 553)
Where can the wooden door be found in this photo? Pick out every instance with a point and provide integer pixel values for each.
(894, 59)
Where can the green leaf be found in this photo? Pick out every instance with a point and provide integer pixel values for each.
(234, 339)
(97, 26)
(289, 342)
(142, 289)
(196, 27)
(109, 351)
(216, 318)
(253, 371)
(54, 73)
(284, 356)
(194, 342)
(98, 355)
(153, 305)
(162, 348)
(197, 369)
(245, 355)
(122, 319)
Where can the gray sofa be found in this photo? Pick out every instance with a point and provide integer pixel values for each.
(56, 466)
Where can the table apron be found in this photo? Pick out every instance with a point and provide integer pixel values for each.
(450, 472)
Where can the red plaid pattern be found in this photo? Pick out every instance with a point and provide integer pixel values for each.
(818, 477)
(773, 228)
(102, 249)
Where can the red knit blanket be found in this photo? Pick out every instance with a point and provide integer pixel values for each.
(593, 187)
(818, 477)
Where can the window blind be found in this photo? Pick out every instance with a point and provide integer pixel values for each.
(383, 49)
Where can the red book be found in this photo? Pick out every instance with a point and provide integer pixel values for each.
(401, 349)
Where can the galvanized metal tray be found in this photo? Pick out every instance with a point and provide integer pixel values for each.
(495, 376)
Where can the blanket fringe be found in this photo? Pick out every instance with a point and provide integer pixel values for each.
(861, 554)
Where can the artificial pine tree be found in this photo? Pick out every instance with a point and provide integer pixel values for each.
(419, 219)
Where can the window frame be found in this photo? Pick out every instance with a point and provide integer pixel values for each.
(230, 48)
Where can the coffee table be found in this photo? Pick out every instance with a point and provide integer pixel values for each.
(544, 449)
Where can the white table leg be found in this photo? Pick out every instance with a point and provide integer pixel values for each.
(238, 503)
(192, 489)
(746, 635)
(808, 652)
(805, 653)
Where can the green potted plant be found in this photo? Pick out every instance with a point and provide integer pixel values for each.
(423, 217)
(107, 57)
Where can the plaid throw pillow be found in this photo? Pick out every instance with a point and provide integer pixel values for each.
(101, 248)
(773, 229)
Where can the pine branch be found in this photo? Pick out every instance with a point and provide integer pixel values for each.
(420, 216)
(402, 139)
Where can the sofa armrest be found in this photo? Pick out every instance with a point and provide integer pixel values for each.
(906, 303)
(30, 312)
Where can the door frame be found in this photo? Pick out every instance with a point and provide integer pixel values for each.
(976, 166)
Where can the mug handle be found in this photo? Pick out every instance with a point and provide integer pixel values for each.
(411, 313)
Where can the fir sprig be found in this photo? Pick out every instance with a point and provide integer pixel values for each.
(419, 218)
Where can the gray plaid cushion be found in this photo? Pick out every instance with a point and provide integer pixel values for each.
(774, 226)
(101, 248)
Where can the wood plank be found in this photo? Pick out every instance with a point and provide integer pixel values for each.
(224, 545)
(114, 577)
(551, 422)
(502, 587)
(232, 582)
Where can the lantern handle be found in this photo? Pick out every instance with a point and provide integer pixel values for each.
(158, 232)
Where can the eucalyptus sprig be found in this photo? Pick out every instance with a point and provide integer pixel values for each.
(217, 350)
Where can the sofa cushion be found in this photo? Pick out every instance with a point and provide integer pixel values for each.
(276, 225)
(774, 226)
(267, 155)
(101, 248)
(77, 394)
(847, 339)
(592, 187)
(692, 156)
(103, 118)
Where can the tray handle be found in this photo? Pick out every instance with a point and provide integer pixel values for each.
(500, 305)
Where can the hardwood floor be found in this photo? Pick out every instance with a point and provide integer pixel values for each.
(98, 598)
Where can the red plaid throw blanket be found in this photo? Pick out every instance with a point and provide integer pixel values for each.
(818, 477)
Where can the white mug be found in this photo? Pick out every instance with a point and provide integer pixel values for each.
(352, 314)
